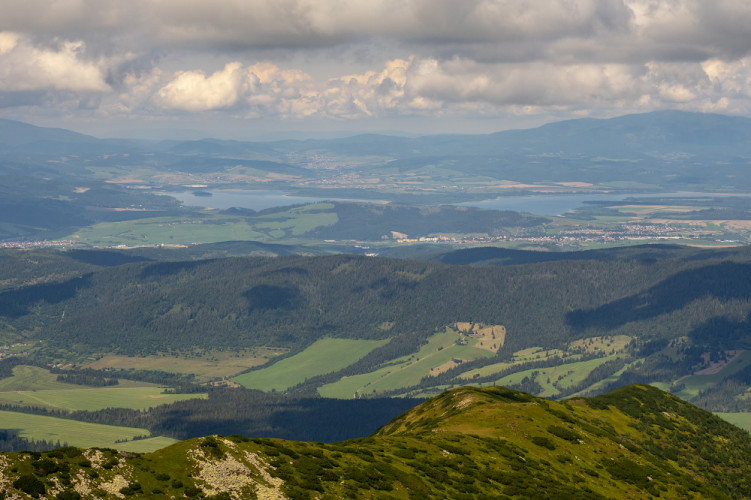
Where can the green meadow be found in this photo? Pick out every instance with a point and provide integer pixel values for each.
(35, 386)
(323, 356)
(208, 227)
(742, 420)
(80, 434)
(92, 399)
(555, 378)
(33, 378)
(440, 353)
(691, 386)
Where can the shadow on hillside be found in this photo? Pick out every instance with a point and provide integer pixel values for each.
(725, 281)
(18, 302)
(723, 333)
(104, 258)
(494, 256)
(161, 269)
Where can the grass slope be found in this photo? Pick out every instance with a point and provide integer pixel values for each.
(438, 354)
(324, 356)
(91, 399)
(637, 442)
(81, 434)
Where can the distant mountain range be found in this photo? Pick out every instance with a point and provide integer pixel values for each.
(651, 133)
(663, 150)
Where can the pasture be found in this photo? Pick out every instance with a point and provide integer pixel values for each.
(209, 366)
(80, 434)
(34, 378)
(95, 398)
(705, 379)
(323, 356)
(742, 420)
(555, 378)
(208, 227)
(35, 386)
(442, 351)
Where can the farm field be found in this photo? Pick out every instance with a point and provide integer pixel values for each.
(34, 378)
(605, 346)
(208, 227)
(80, 434)
(692, 385)
(95, 398)
(218, 364)
(742, 420)
(555, 378)
(438, 355)
(323, 356)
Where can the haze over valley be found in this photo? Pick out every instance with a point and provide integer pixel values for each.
(296, 249)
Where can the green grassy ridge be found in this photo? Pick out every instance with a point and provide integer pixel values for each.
(638, 442)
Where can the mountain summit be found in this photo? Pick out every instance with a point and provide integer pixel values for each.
(636, 442)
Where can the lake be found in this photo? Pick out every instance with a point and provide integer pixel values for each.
(255, 200)
(540, 204)
(557, 204)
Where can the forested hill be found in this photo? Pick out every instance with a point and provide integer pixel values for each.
(147, 306)
(637, 442)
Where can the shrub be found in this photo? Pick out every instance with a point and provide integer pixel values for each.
(543, 441)
(68, 495)
(564, 433)
(30, 485)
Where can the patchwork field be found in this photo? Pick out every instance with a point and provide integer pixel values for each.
(34, 378)
(689, 387)
(92, 399)
(208, 227)
(80, 434)
(443, 350)
(604, 346)
(554, 379)
(323, 356)
(207, 367)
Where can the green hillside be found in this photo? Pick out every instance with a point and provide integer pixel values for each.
(349, 326)
(467, 443)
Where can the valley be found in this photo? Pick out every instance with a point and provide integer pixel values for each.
(139, 324)
(320, 332)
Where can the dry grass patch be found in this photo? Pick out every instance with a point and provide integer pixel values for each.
(601, 345)
(218, 364)
(651, 209)
(443, 368)
(488, 337)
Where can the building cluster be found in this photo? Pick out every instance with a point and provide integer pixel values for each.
(37, 243)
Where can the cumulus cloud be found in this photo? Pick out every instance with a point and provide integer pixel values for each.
(25, 67)
(194, 91)
(377, 58)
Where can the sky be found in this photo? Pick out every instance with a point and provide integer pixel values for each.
(246, 69)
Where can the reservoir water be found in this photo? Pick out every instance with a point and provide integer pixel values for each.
(255, 200)
(535, 204)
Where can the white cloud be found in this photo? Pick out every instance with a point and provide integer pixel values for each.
(194, 91)
(25, 67)
(376, 58)
(8, 41)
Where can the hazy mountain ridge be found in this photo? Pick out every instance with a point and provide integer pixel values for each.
(65, 181)
(466, 443)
